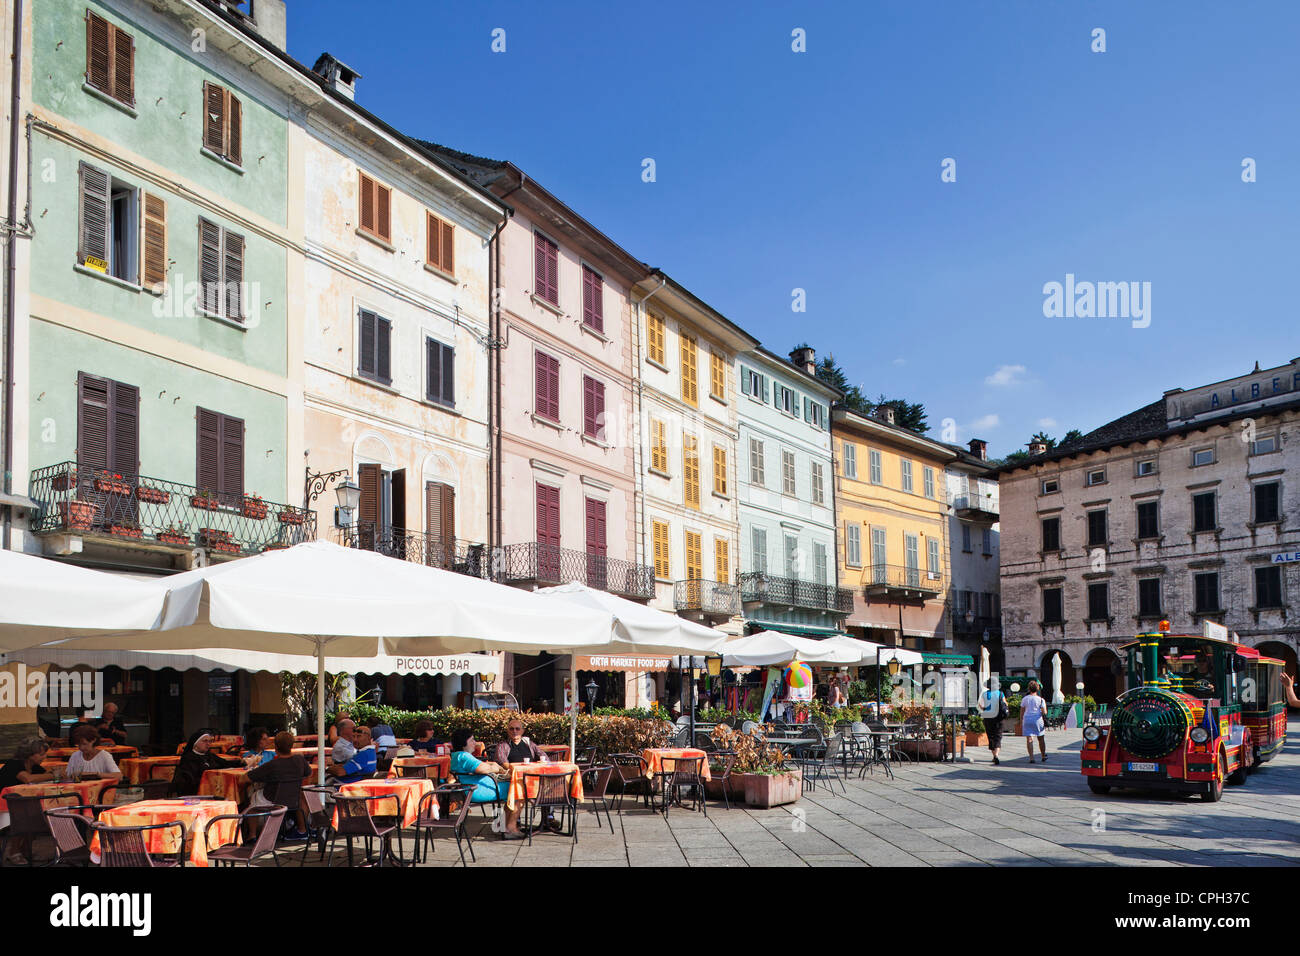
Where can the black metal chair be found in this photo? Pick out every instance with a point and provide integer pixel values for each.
(27, 819)
(70, 827)
(125, 846)
(634, 775)
(315, 808)
(229, 854)
(678, 774)
(553, 795)
(815, 767)
(453, 803)
(595, 790)
(357, 820)
(726, 760)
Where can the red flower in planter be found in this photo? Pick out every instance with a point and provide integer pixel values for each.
(153, 496)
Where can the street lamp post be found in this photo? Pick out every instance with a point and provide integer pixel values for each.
(591, 687)
(346, 490)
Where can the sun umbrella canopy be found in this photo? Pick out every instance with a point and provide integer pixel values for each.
(1058, 696)
(44, 600)
(904, 657)
(866, 650)
(773, 647)
(638, 628)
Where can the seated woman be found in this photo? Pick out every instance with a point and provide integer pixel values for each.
(196, 759)
(424, 741)
(26, 765)
(89, 760)
(472, 772)
(258, 748)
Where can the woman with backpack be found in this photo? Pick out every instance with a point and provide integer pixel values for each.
(993, 708)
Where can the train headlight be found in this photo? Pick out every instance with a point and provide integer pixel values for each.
(1091, 733)
(1199, 735)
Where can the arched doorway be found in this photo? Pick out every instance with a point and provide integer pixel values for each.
(1103, 675)
(1068, 679)
(1283, 652)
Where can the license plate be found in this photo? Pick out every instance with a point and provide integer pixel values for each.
(1142, 767)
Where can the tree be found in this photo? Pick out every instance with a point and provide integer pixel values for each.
(1072, 436)
(909, 415)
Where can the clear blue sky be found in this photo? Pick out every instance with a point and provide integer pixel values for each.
(821, 170)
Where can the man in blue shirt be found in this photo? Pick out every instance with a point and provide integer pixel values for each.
(362, 764)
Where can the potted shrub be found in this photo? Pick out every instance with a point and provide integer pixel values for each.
(975, 734)
(254, 507)
(759, 771)
(153, 496)
(173, 535)
(77, 515)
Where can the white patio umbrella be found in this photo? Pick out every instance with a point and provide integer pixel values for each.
(772, 647)
(354, 603)
(866, 650)
(43, 600)
(1057, 696)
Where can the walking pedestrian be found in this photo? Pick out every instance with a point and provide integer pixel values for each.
(993, 708)
(1032, 724)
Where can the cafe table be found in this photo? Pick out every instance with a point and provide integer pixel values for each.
(524, 775)
(139, 769)
(116, 751)
(192, 814)
(654, 757)
(226, 783)
(442, 763)
(409, 791)
(68, 794)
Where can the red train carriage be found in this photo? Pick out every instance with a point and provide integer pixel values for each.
(1198, 712)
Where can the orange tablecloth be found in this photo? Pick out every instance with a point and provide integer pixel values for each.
(87, 791)
(520, 772)
(140, 769)
(654, 759)
(410, 790)
(442, 763)
(227, 783)
(220, 743)
(62, 753)
(194, 816)
(555, 751)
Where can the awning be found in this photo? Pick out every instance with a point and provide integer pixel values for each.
(805, 630)
(224, 659)
(931, 658)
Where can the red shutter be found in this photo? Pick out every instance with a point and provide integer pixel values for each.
(548, 516)
(588, 406)
(92, 420)
(599, 394)
(232, 461)
(383, 227)
(553, 272)
(596, 527)
(545, 268)
(207, 468)
(433, 240)
(547, 386)
(448, 249)
(593, 300)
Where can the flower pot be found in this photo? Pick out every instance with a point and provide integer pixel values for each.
(976, 740)
(254, 509)
(291, 517)
(772, 789)
(77, 515)
(123, 531)
(153, 496)
(922, 749)
(206, 504)
(168, 537)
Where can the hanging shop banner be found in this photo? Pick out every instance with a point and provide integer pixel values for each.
(773, 682)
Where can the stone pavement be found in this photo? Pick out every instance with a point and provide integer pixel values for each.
(963, 814)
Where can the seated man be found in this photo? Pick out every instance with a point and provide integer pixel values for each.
(286, 767)
(110, 725)
(362, 764)
(381, 734)
(480, 774)
(517, 748)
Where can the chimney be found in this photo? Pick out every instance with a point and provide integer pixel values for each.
(884, 413)
(270, 21)
(805, 358)
(1037, 448)
(979, 448)
(338, 75)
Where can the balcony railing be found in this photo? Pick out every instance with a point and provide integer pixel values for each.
(772, 589)
(141, 511)
(891, 579)
(547, 564)
(978, 625)
(449, 554)
(708, 597)
(976, 506)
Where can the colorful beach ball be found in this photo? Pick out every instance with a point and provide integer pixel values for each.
(799, 676)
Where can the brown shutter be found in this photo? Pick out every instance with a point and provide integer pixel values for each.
(233, 278)
(155, 240)
(366, 192)
(368, 477)
(92, 420)
(448, 513)
(383, 227)
(433, 241)
(234, 129)
(124, 450)
(232, 461)
(214, 118)
(94, 213)
(98, 60)
(123, 68)
(398, 488)
(448, 249)
(383, 338)
(433, 509)
(207, 467)
(210, 266)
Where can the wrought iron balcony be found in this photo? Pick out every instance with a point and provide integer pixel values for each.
(449, 554)
(547, 565)
(978, 625)
(902, 583)
(140, 512)
(757, 586)
(710, 598)
(976, 507)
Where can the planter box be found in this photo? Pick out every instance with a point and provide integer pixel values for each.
(77, 515)
(122, 531)
(976, 740)
(167, 538)
(112, 486)
(735, 787)
(205, 504)
(254, 509)
(291, 517)
(772, 789)
(153, 496)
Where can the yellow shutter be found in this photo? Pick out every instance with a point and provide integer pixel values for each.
(719, 469)
(662, 568)
(690, 375)
(722, 560)
(717, 376)
(655, 339)
(658, 446)
(691, 469)
(694, 565)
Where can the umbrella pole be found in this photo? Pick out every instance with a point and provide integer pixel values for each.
(573, 723)
(320, 712)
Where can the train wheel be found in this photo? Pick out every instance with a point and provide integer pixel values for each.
(1214, 790)
(1098, 787)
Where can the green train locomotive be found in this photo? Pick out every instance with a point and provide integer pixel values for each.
(1199, 712)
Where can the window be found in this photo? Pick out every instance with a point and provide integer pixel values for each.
(1207, 592)
(722, 560)
(1268, 502)
(223, 131)
(1148, 515)
(1263, 445)
(654, 334)
(663, 569)
(911, 559)
(1051, 486)
(219, 467)
(819, 563)
(110, 59)
(593, 408)
(717, 376)
(690, 376)
(928, 482)
(1147, 467)
(785, 399)
(932, 557)
(1096, 477)
(108, 228)
(1097, 537)
(694, 560)
(876, 466)
(1149, 598)
(440, 376)
(787, 473)
(756, 462)
(691, 470)
(658, 446)
(814, 413)
(108, 425)
(546, 387)
(221, 273)
(440, 511)
(546, 266)
(879, 552)
(753, 383)
(1098, 601)
(1268, 586)
(965, 538)
(440, 244)
(758, 549)
(1053, 612)
(792, 557)
(593, 300)
(852, 545)
(818, 488)
(1202, 456)
(373, 357)
(719, 470)
(988, 542)
(1051, 534)
(907, 474)
(850, 460)
(1203, 518)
